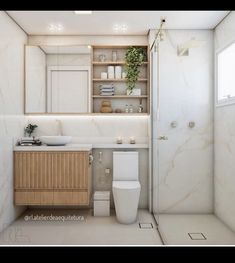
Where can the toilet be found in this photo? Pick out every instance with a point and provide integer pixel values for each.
(126, 186)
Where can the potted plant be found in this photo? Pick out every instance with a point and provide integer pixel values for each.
(29, 129)
(134, 58)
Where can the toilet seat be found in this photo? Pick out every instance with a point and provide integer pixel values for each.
(126, 184)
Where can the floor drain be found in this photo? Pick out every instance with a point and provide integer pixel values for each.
(197, 236)
(145, 225)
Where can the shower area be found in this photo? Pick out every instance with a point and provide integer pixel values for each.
(182, 138)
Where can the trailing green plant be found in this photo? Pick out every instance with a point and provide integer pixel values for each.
(134, 58)
(29, 129)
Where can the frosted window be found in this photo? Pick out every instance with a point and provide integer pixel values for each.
(226, 74)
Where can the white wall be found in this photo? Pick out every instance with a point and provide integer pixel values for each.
(224, 181)
(88, 40)
(102, 129)
(35, 79)
(95, 129)
(183, 179)
(69, 60)
(12, 40)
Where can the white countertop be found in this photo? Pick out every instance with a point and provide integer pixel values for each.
(80, 147)
(121, 146)
(68, 147)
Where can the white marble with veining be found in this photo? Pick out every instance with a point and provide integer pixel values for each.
(183, 177)
(12, 41)
(224, 181)
(94, 129)
(102, 132)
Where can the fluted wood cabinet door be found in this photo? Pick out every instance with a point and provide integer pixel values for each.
(59, 176)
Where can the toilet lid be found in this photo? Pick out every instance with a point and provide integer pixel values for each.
(126, 184)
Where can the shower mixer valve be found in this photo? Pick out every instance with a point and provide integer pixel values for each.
(163, 137)
(191, 124)
(174, 124)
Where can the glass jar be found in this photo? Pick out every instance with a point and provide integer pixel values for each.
(126, 108)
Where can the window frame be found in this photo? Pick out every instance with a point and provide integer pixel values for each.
(225, 101)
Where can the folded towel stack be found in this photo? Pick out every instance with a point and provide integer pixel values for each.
(28, 141)
(107, 90)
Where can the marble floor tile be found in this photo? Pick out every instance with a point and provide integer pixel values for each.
(203, 229)
(85, 230)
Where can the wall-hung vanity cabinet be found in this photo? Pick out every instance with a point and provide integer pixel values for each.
(52, 177)
(57, 79)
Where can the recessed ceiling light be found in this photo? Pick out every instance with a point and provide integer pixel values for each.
(83, 12)
(120, 28)
(55, 27)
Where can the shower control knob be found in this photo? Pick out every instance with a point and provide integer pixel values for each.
(162, 138)
(191, 124)
(174, 124)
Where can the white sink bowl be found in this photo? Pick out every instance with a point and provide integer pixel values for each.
(55, 140)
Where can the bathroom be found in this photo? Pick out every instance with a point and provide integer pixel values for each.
(157, 162)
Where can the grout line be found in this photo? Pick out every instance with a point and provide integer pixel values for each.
(16, 23)
(222, 20)
(158, 230)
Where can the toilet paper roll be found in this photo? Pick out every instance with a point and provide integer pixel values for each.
(118, 72)
(104, 75)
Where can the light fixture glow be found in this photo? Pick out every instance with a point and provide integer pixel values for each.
(120, 28)
(83, 12)
(89, 46)
(55, 27)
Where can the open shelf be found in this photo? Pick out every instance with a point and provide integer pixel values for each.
(117, 80)
(106, 63)
(118, 102)
(120, 97)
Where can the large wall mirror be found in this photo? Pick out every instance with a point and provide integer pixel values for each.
(57, 79)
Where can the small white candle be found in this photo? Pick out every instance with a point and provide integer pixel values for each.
(119, 140)
(104, 75)
(132, 140)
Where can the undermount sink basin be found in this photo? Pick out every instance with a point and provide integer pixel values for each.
(55, 140)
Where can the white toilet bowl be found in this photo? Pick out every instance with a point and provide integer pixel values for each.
(126, 198)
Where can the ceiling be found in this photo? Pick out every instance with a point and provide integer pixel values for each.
(113, 22)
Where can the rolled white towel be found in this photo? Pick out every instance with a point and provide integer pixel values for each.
(118, 72)
(111, 69)
(111, 75)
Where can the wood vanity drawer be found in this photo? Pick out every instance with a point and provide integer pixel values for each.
(51, 170)
(35, 197)
(52, 178)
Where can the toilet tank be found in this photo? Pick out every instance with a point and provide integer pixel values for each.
(125, 166)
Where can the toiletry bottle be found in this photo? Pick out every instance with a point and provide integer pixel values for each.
(126, 108)
(140, 109)
(131, 108)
